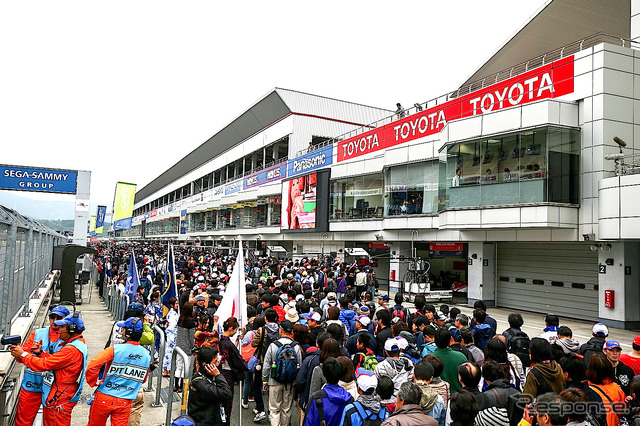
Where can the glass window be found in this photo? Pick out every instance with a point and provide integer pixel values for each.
(274, 210)
(357, 197)
(512, 169)
(412, 188)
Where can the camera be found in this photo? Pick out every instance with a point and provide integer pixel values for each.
(11, 340)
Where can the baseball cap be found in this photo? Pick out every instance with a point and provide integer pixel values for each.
(440, 316)
(200, 297)
(366, 380)
(612, 344)
(133, 323)
(215, 297)
(384, 297)
(456, 334)
(136, 307)
(391, 345)
(600, 329)
(364, 310)
(364, 320)
(315, 316)
(636, 341)
(60, 311)
(331, 296)
(71, 320)
(286, 325)
(402, 342)
(408, 336)
(201, 278)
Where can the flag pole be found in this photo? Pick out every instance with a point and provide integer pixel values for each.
(240, 313)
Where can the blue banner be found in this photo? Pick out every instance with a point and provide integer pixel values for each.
(102, 212)
(38, 180)
(133, 280)
(123, 224)
(233, 187)
(183, 221)
(264, 176)
(314, 160)
(170, 285)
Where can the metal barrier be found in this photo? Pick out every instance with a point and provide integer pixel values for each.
(26, 253)
(160, 331)
(185, 389)
(116, 302)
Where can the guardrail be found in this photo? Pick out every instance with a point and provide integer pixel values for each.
(625, 164)
(160, 331)
(185, 388)
(116, 302)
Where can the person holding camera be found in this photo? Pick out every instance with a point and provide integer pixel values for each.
(123, 369)
(63, 371)
(30, 396)
(208, 390)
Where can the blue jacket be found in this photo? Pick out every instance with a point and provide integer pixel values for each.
(482, 333)
(332, 406)
(355, 413)
(348, 318)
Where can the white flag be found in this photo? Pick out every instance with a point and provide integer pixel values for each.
(234, 301)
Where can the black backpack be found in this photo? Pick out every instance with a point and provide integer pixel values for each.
(373, 419)
(519, 346)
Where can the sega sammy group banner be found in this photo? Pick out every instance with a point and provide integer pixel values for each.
(123, 205)
(38, 180)
(102, 212)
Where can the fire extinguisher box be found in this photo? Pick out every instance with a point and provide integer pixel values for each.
(609, 299)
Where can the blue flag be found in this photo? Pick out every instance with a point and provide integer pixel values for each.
(102, 212)
(133, 280)
(170, 286)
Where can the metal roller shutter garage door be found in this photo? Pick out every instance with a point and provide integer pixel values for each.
(559, 278)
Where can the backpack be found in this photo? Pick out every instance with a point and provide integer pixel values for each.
(373, 419)
(272, 336)
(400, 313)
(286, 363)
(519, 346)
(369, 363)
(591, 348)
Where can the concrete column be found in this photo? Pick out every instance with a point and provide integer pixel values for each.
(623, 278)
(398, 264)
(83, 194)
(635, 20)
(481, 275)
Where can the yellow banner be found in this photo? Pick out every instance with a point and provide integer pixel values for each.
(92, 224)
(123, 207)
(100, 230)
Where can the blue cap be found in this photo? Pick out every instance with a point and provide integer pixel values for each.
(455, 333)
(71, 320)
(132, 323)
(384, 297)
(136, 307)
(60, 311)
(612, 344)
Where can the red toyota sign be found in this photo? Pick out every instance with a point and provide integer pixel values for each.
(549, 81)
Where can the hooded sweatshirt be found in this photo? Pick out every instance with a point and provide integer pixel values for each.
(332, 406)
(399, 370)
(551, 372)
(432, 403)
(569, 346)
(347, 316)
(482, 333)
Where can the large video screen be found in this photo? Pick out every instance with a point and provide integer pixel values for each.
(299, 202)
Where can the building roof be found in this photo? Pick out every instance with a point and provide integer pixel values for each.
(276, 105)
(556, 24)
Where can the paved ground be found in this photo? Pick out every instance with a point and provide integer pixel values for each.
(98, 323)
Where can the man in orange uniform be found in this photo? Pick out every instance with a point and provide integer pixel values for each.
(63, 370)
(30, 396)
(126, 366)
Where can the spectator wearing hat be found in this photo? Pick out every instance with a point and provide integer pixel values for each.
(623, 373)
(280, 394)
(550, 333)
(126, 366)
(367, 406)
(208, 390)
(327, 302)
(456, 344)
(214, 303)
(200, 306)
(314, 322)
(595, 344)
(398, 369)
(326, 406)
(382, 303)
(408, 409)
(65, 370)
(633, 359)
(30, 397)
(431, 402)
(362, 323)
(450, 358)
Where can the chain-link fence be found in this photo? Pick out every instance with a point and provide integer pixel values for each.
(26, 251)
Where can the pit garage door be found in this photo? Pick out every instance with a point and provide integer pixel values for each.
(558, 278)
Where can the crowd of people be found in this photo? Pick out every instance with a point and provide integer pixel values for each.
(322, 340)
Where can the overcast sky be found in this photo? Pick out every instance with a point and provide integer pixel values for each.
(125, 89)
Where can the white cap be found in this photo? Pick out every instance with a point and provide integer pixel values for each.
(367, 380)
(391, 345)
(315, 316)
(601, 329)
(402, 342)
(364, 320)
